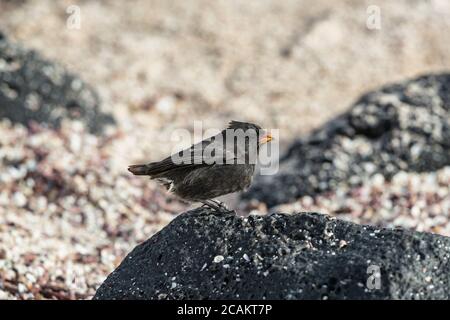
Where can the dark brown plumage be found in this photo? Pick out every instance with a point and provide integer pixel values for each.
(211, 168)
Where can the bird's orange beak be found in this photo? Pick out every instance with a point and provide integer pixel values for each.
(265, 138)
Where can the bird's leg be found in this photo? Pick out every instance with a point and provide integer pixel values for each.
(216, 205)
(211, 204)
(220, 204)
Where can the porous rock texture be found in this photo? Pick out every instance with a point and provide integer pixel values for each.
(34, 89)
(206, 255)
(401, 127)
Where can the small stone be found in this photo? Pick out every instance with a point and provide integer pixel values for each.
(165, 104)
(19, 199)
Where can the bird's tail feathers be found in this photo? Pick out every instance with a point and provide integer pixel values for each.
(151, 169)
(139, 169)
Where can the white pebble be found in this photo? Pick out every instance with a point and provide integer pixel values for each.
(19, 199)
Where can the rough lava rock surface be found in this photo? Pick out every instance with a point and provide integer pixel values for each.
(403, 126)
(32, 88)
(206, 255)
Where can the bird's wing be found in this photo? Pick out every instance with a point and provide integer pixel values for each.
(208, 152)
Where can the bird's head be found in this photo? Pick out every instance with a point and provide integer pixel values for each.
(262, 136)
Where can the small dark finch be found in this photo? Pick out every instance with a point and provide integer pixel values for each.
(219, 165)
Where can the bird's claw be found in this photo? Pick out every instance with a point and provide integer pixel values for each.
(217, 206)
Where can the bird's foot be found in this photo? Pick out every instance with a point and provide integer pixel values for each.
(221, 205)
(216, 206)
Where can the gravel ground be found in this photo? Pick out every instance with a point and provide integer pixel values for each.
(417, 201)
(69, 210)
(284, 64)
(66, 218)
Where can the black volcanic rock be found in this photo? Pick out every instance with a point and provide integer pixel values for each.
(404, 126)
(34, 89)
(206, 255)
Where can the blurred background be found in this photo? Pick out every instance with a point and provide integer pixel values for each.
(69, 211)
